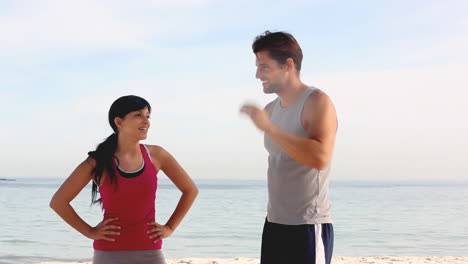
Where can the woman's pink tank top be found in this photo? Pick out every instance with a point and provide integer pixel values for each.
(132, 201)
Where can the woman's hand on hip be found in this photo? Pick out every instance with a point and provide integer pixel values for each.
(104, 229)
(158, 231)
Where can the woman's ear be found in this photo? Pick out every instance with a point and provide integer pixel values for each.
(118, 122)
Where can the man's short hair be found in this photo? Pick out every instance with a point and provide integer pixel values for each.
(281, 46)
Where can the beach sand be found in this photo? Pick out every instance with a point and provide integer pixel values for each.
(336, 260)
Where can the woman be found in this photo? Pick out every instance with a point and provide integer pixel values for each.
(125, 174)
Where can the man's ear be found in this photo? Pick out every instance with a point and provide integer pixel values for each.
(290, 64)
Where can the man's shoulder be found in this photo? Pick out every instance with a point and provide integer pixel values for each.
(317, 98)
(317, 106)
(270, 105)
(317, 94)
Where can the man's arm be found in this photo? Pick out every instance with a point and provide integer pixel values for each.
(318, 119)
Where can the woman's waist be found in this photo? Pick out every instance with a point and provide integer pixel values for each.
(129, 222)
(132, 231)
(133, 234)
(129, 212)
(132, 238)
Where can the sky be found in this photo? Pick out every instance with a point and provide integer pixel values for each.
(396, 71)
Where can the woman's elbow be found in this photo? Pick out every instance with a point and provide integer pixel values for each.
(53, 204)
(195, 191)
(191, 191)
(56, 204)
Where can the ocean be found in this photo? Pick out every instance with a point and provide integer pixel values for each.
(369, 218)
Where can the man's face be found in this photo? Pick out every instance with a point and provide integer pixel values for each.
(270, 72)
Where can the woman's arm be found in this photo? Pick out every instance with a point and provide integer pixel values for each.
(167, 163)
(60, 203)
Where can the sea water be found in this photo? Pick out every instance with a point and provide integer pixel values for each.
(226, 220)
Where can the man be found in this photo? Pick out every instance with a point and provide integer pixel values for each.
(300, 127)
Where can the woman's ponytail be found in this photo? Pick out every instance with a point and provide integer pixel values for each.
(103, 156)
(104, 152)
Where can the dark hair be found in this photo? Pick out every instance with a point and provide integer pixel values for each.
(281, 46)
(105, 151)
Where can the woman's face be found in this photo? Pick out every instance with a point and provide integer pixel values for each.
(135, 124)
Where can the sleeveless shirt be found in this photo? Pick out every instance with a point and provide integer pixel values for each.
(132, 201)
(297, 193)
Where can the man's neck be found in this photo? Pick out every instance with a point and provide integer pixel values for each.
(291, 92)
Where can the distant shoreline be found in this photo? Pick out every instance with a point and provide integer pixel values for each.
(336, 260)
(204, 182)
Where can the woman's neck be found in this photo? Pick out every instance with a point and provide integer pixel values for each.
(127, 148)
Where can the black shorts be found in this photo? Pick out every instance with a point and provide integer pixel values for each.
(297, 244)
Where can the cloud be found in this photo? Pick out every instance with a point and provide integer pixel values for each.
(200, 127)
(401, 124)
(404, 113)
(66, 26)
(431, 33)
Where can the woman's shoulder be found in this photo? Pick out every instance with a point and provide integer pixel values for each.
(154, 149)
(90, 161)
(156, 152)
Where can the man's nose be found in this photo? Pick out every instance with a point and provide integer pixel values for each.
(257, 74)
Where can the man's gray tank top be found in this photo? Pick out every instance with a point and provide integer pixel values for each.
(297, 193)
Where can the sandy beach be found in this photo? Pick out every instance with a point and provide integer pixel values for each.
(336, 260)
